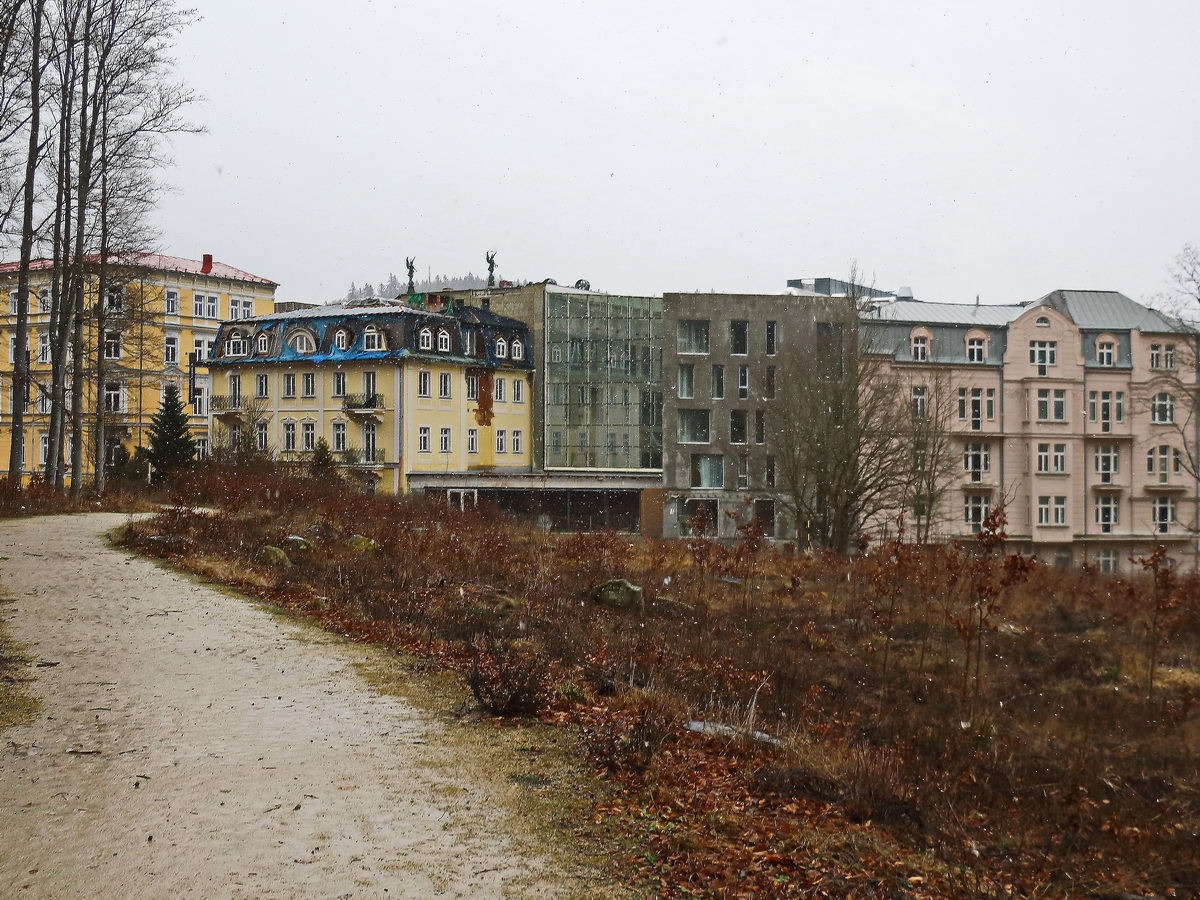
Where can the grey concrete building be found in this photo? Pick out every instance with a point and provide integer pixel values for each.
(723, 356)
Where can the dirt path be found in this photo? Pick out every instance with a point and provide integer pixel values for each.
(190, 744)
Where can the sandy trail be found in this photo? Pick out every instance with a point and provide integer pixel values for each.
(191, 745)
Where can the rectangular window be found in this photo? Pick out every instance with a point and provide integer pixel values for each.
(424, 383)
(977, 460)
(975, 350)
(693, 426)
(1162, 356)
(444, 439)
(976, 508)
(1052, 405)
(423, 439)
(308, 384)
(289, 437)
(289, 384)
(738, 342)
(920, 402)
(235, 388)
(262, 386)
(1060, 510)
(693, 336)
(737, 426)
(718, 382)
(171, 303)
(260, 436)
(1107, 462)
(498, 390)
(518, 391)
(369, 450)
(112, 345)
(1105, 353)
(1162, 409)
(473, 387)
(708, 470)
(501, 440)
(1108, 561)
(686, 383)
(991, 404)
(1108, 513)
(1106, 407)
(769, 473)
(1060, 459)
(920, 348)
(743, 382)
(114, 395)
(770, 387)
(1043, 354)
(1162, 512)
(339, 384)
(308, 436)
(444, 385)
(170, 350)
(1043, 458)
(1043, 515)
(339, 437)
(473, 440)
(760, 427)
(516, 440)
(962, 404)
(743, 472)
(771, 331)
(203, 348)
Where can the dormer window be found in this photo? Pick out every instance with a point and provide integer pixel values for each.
(302, 342)
(518, 350)
(443, 341)
(1105, 353)
(920, 348)
(264, 342)
(236, 345)
(341, 340)
(425, 339)
(501, 348)
(469, 342)
(1042, 322)
(372, 338)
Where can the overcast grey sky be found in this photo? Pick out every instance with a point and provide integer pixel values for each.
(1000, 149)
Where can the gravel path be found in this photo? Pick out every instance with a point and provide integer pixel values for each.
(190, 744)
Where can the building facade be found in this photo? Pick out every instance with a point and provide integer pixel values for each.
(723, 358)
(157, 310)
(1073, 411)
(402, 395)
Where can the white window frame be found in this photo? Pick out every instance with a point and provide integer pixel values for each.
(444, 386)
(424, 385)
(518, 349)
(425, 339)
(472, 387)
(444, 439)
(501, 348)
(423, 438)
(1162, 409)
(170, 350)
(518, 391)
(339, 437)
(498, 391)
(515, 441)
(501, 440)
(171, 302)
(443, 341)
(472, 440)
(373, 339)
(308, 384)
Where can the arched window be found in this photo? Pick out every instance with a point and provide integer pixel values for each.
(443, 341)
(976, 346)
(518, 349)
(501, 348)
(1042, 322)
(236, 344)
(373, 339)
(425, 339)
(341, 340)
(302, 342)
(919, 341)
(264, 342)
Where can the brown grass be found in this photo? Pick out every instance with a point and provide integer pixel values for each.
(1005, 722)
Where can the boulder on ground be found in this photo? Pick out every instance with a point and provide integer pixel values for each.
(360, 544)
(620, 594)
(273, 556)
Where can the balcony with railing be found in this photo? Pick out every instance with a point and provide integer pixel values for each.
(356, 456)
(231, 404)
(362, 403)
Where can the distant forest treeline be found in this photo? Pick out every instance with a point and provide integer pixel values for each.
(394, 286)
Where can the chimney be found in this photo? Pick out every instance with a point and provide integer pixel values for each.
(207, 267)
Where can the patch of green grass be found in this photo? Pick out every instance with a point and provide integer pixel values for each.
(18, 705)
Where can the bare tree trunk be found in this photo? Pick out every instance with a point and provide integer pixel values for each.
(16, 456)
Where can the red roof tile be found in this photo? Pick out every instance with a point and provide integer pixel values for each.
(155, 261)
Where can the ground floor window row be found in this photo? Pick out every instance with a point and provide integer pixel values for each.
(708, 470)
(703, 516)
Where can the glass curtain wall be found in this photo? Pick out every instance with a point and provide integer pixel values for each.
(604, 382)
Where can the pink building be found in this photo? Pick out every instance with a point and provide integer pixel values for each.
(1074, 411)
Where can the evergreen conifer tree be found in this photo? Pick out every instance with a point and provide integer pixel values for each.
(171, 444)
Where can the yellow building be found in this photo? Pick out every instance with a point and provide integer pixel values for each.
(396, 391)
(158, 310)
